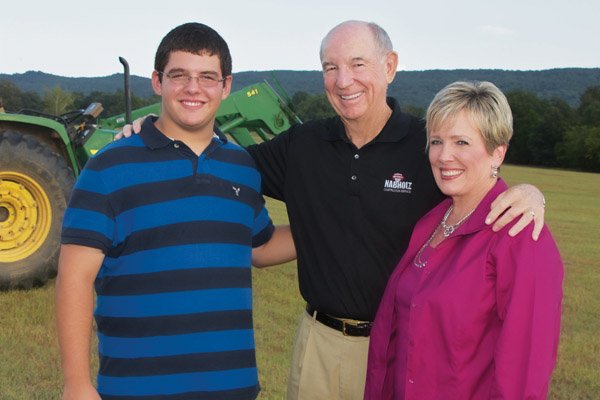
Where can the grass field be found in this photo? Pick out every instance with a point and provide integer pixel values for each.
(29, 365)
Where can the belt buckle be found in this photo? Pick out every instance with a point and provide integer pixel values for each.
(344, 328)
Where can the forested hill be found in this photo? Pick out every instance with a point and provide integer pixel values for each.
(414, 88)
(37, 81)
(417, 88)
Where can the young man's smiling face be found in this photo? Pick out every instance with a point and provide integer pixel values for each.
(190, 106)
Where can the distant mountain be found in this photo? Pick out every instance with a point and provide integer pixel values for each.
(415, 88)
(37, 81)
(419, 87)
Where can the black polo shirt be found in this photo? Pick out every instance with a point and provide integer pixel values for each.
(351, 210)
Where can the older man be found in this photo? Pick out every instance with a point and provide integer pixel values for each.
(354, 186)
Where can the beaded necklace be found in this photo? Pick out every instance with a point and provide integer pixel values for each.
(448, 230)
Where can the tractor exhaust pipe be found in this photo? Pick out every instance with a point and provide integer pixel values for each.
(127, 90)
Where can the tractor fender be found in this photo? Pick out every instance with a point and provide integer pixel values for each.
(48, 131)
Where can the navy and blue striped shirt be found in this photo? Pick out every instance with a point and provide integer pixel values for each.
(174, 299)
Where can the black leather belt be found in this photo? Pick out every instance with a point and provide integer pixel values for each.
(347, 328)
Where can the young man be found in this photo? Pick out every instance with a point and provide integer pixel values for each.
(165, 226)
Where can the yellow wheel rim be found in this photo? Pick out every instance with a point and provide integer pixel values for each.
(25, 216)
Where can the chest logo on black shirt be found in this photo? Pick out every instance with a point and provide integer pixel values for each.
(398, 184)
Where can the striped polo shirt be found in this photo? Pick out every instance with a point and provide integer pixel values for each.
(174, 298)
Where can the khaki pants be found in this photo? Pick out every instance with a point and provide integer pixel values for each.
(326, 364)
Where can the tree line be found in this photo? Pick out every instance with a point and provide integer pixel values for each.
(547, 132)
(56, 101)
(409, 87)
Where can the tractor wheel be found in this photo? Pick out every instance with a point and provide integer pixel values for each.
(35, 185)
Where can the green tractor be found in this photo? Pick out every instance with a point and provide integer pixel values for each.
(41, 155)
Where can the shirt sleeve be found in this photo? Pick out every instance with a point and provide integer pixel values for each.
(529, 293)
(263, 228)
(271, 160)
(89, 219)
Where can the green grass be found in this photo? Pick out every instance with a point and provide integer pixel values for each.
(29, 362)
(573, 215)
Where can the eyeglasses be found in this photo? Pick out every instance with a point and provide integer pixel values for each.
(182, 79)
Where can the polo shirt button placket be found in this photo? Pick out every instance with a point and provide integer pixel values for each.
(176, 145)
(354, 171)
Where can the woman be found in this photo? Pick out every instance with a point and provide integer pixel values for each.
(468, 313)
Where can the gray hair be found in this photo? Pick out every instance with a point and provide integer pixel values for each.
(382, 39)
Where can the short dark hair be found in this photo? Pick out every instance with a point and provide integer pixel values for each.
(195, 38)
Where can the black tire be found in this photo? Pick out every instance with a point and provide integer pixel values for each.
(35, 185)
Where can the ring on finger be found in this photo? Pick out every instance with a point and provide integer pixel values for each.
(532, 213)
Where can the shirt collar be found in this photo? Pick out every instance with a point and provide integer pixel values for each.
(155, 139)
(394, 130)
(475, 222)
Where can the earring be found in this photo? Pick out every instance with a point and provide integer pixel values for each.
(494, 171)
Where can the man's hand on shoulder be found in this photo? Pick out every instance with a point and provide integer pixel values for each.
(522, 200)
(133, 128)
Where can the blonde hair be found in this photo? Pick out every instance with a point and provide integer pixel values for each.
(485, 104)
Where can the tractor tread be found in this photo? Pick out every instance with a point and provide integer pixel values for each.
(30, 155)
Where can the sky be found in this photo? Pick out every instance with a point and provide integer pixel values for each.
(85, 38)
